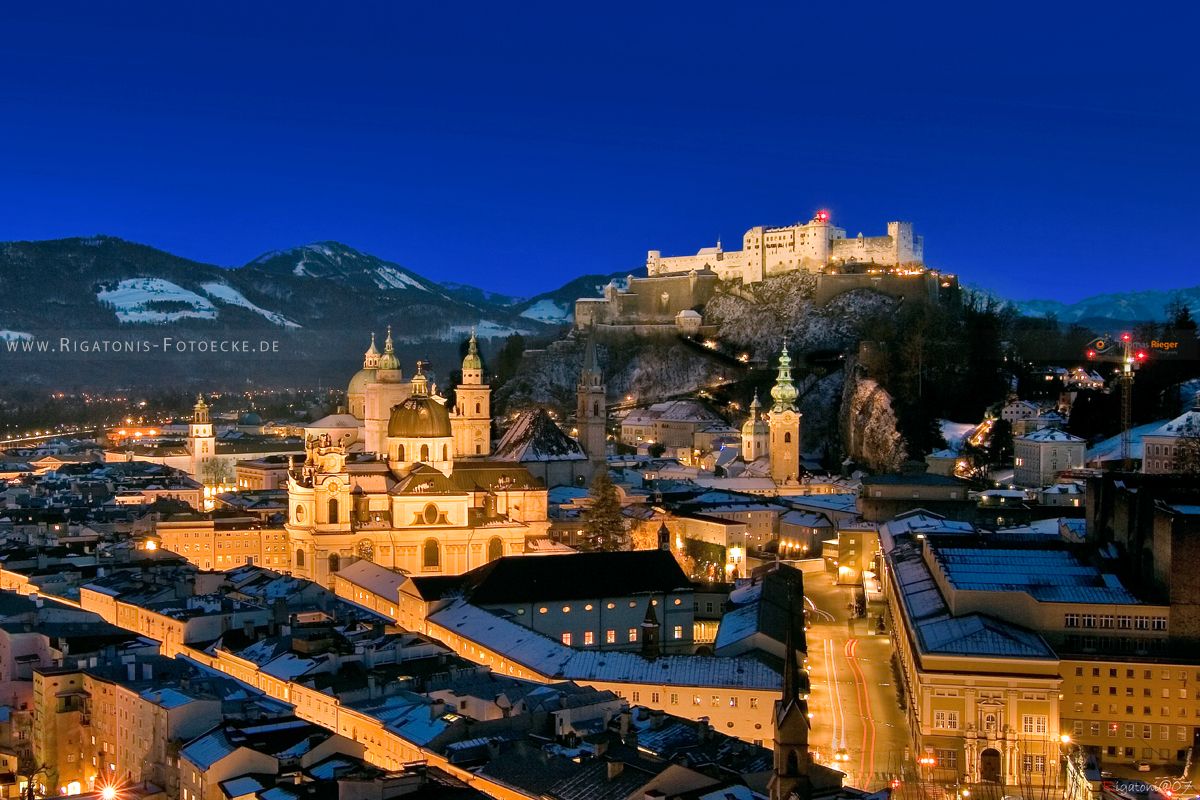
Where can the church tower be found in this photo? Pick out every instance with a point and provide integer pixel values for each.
(784, 422)
(591, 414)
(789, 773)
(755, 434)
(200, 437)
(472, 417)
(380, 394)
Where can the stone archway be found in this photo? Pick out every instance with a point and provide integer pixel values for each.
(989, 765)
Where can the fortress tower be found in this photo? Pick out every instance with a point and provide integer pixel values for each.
(784, 422)
(472, 417)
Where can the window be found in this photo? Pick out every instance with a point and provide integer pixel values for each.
(754, 702)
(610, 636)
(696, 700)
(495, 548)
(946, 759)
(299, 558)
(633, 634)
(431, 554)
(425, 453)
(333, 509)
(674, 699)
(945, 720)
(1071, 620)
(566, 639)
(677, 632)
(589, 638)
(1033, 723)
(335, 562)
(716, 701)
(733, 702)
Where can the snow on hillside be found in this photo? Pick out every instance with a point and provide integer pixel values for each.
(1110, 449)
(486, 329)
(395, 279)
(154, 300)
(227, 294)
(547, 310)
(955, 432)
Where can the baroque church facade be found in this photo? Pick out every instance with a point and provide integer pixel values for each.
(404, 480)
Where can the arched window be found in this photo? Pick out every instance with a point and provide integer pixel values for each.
(425, 453)
(787, 437)
(792, 766)
(399, 452)
(495, 548)
(335, 562)
(333, 509)
(445, 453)
(431, 554)
(596, 409)
(478, 408)
(299, 557)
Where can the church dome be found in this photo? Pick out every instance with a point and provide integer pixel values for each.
(358, 383)
(419, 417)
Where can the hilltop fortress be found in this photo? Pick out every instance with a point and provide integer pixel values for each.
(813, 246)
(675, 289)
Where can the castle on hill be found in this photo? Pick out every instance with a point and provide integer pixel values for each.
(812, 246)
(671, 296)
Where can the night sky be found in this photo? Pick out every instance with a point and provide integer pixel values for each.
(1043, 150)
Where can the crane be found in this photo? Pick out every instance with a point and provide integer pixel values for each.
(1130, 356)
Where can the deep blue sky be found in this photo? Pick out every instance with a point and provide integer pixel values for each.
(1043, 151)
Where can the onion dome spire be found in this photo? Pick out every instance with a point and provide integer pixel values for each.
(472, 361)
(784, 392)
(388, 360)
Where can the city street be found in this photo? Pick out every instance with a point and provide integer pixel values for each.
(857, 725)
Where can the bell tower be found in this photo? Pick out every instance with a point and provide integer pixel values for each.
(789, 773)
(472, 417)
(591, 414)
(201, 440)
(783, 420)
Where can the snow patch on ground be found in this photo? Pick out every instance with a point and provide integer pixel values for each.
(227, 294)
(955, 432)
(487, 329)
(548, 311)
(133, 300)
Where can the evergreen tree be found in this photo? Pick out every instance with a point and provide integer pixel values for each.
(603, 522)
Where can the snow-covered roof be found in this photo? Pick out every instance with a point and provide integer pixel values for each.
(674, 411)
(374, 578)
(536, 437)
(1110, 448)
(1048, 435)
(552, 659)
(336, 421)
(1186, 424)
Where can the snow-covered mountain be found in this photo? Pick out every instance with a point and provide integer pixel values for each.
(1104, 309)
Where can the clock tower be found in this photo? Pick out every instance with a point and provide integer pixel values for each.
(201, 441)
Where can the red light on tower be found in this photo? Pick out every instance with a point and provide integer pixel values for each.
(822, 216)
(1140, 355)
(1125, 337)
(1091, 353)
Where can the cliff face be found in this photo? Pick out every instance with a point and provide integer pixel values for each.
(759, 318)
(868, 423)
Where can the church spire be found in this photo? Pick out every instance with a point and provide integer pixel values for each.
(791, 665)
(371, 357)
(388, 360)
(472, 361)
(784, 392)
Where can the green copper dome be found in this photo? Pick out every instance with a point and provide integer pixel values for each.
(388, 360)
(784, 392)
